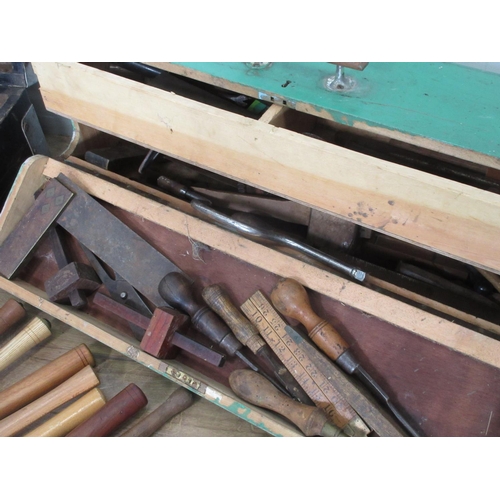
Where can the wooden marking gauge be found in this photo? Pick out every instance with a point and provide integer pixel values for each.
(272, 327)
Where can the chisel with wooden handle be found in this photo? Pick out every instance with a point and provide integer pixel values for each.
(255, 389)
(44, 379)
(73, 415)
(10, 313)
(290, 299)
(31, 335)
(113, 414)
(81, 382)
(177, 402)
(218, 299)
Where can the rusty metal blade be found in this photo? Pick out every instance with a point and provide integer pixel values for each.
(115, 243)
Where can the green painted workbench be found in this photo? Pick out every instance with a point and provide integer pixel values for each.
(443, 107)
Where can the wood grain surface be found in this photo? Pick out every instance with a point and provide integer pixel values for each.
(115, 371)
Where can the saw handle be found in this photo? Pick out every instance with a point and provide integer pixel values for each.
(290, 299)
(255, 389)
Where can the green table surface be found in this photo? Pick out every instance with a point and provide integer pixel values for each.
(444, 102)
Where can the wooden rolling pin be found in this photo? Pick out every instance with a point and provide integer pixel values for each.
(10, 313)
(79, 383)
(255, 389)
(178, 401)
(73, 415)
(44, 379)
(114, 413)
(32, 334)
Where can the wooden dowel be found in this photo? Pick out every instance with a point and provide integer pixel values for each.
(44, 379)
(114, 413)
(72, 416)
(32, 334)
(178, 401)
(10, 313)
(79, 383)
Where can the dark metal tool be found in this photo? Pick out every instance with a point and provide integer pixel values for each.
(290, 299)
(176, 290)
(124, 251)
(119, 289)
(217, 298)
(255, 228)
(26, 235)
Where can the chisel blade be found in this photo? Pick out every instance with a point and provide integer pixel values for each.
(124, 251)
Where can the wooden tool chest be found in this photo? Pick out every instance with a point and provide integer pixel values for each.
(438, 362)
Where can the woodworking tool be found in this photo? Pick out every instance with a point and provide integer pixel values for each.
(115, 243)
(10, 313)
(76, 297)
(44, 379)
(255, 389)
(114, 413)
(77, 384)
(158, 335)
(121, 291)
(290, 299)
(259, 231)
(177, 402)
(366, 407)
(316, 384)
(177, 291)
(36, 331)
(218, 299)
(71, 416)
(74, 277)
(22, 241)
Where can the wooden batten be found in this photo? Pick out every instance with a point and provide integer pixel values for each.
(450, 218)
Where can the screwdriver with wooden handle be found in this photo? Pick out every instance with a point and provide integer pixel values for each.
(290, 299)
(220, 302)
(255, 389)
(176, 290)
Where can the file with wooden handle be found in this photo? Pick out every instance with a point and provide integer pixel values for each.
(255, 389)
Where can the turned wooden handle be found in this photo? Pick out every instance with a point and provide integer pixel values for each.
(219, 301)
(32, 334)
(290, 299)
(178, 401)
(79, 383)
(44, 379)
(73, 415)
(10, 313)
(255, 389)
(114, 413)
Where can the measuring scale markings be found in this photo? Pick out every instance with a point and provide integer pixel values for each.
(272, 327)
